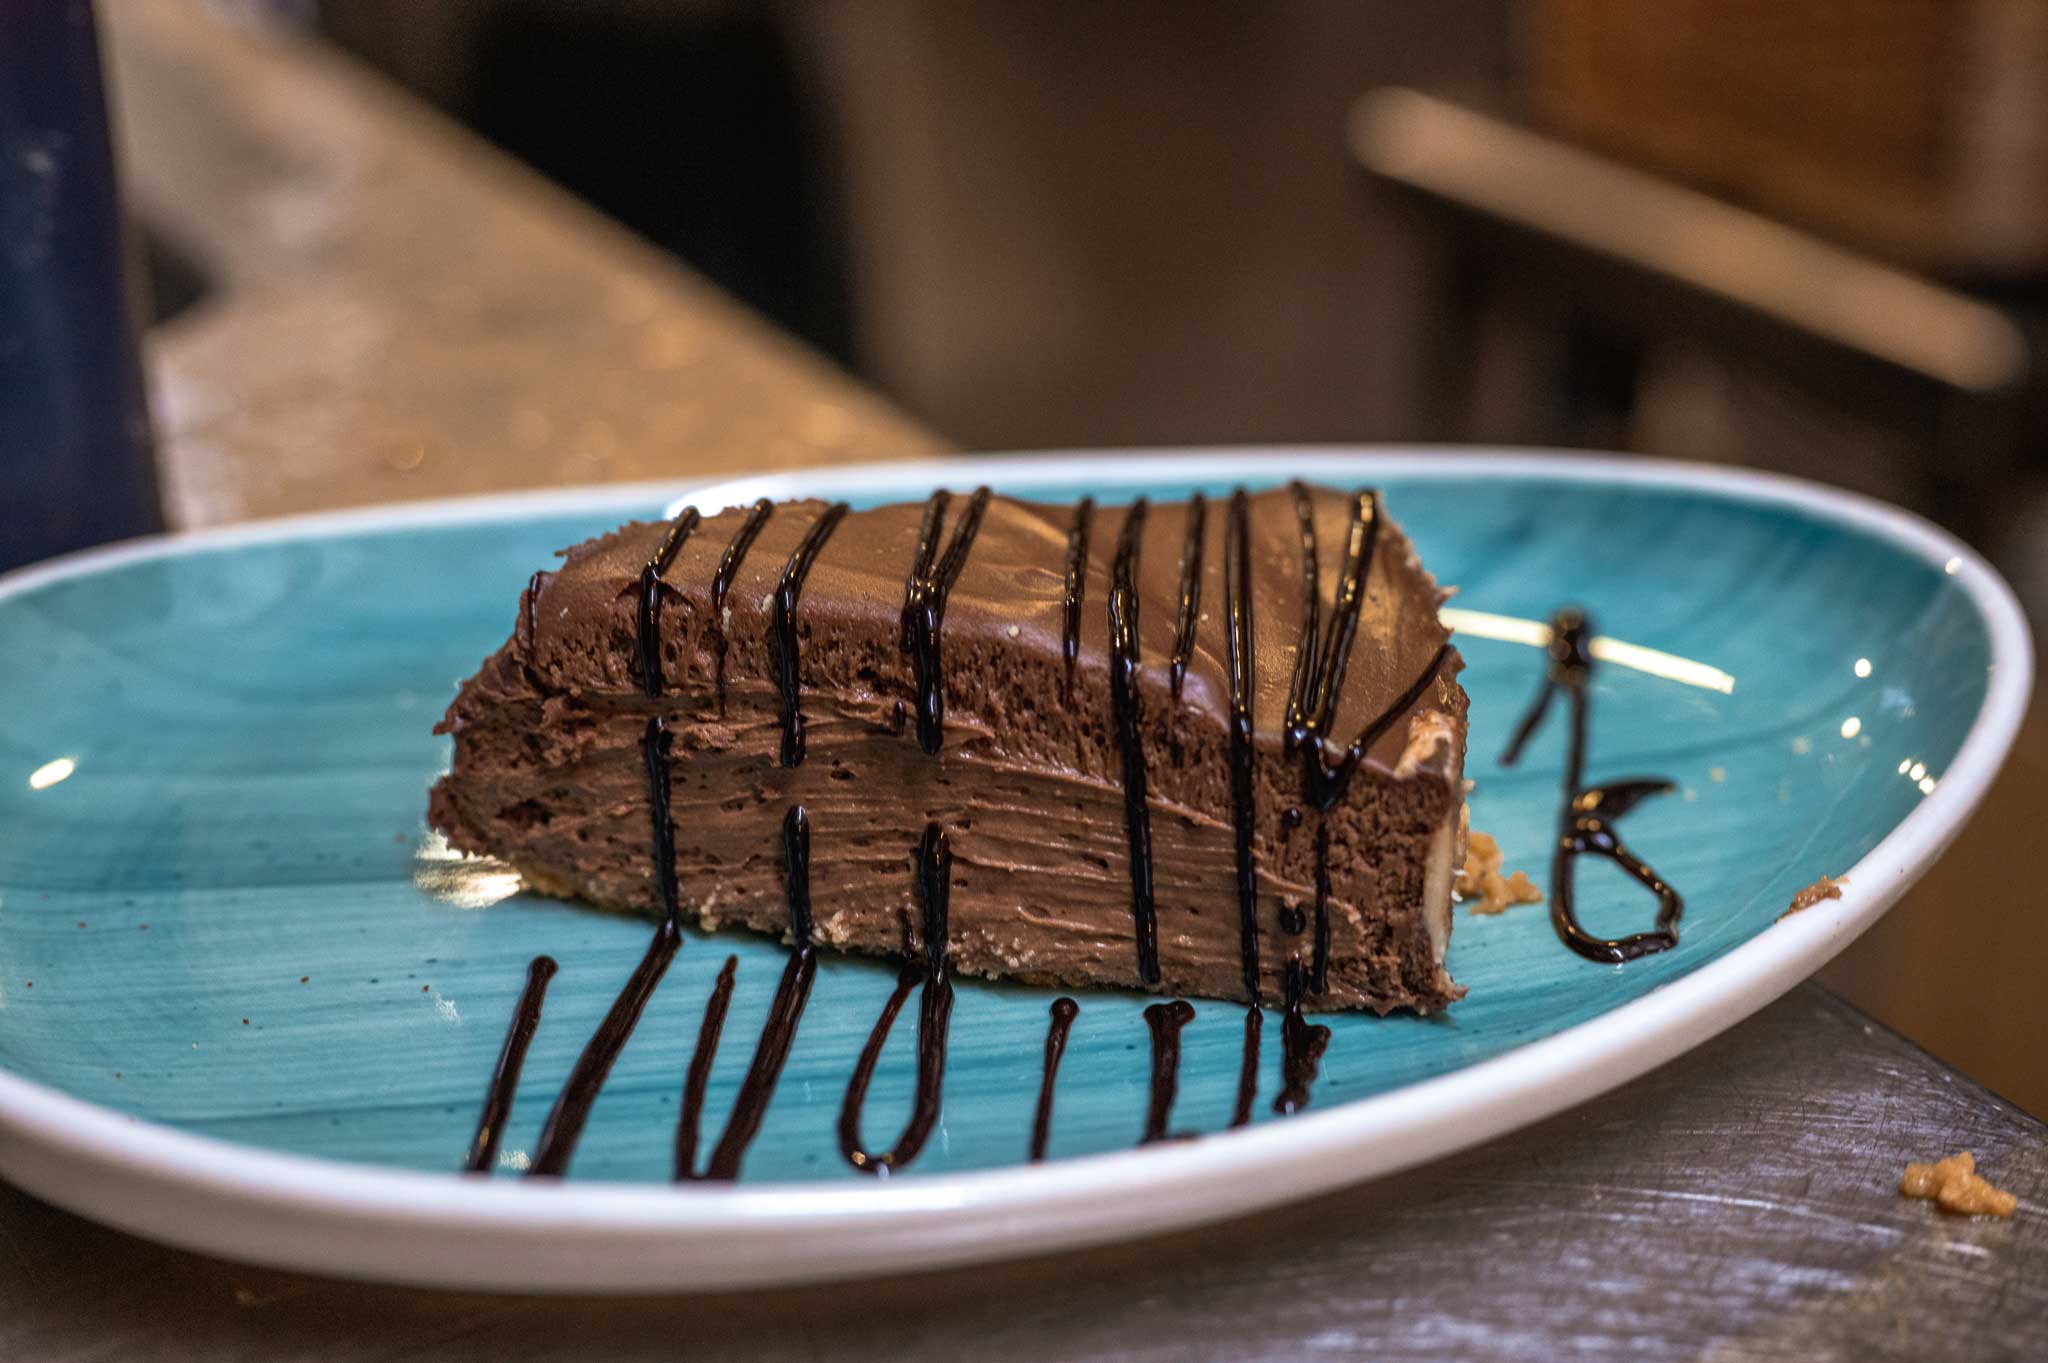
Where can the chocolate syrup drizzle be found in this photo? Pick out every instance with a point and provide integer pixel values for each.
(787, 593)
(1312, 699)
(778, 1032)
(721, 583)
(1064, 1011)
(1318, 680)
(1319, 671)
(1586, 818)
(1248, 1068)
(1077, 585)
(654, 751)
(1166, 1021)
(655, 741)
(571, 1111)
(490, 1127)
(1190, 593)
(1237, 618)
(1125, 714)
(649, 637)
(924, 606)
(935, 1015)
(1311, 598)
(698, 1076)
(1585, 826)
(1302, 1044)
(1318, 683)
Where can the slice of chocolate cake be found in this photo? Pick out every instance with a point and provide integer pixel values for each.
(1203, 748)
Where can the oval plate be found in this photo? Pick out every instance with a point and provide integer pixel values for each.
(248, 1005)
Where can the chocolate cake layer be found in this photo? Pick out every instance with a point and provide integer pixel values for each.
(1030, 773)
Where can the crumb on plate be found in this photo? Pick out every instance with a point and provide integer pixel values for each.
(1827, 887)
(1481, 884)
(1954, 1185)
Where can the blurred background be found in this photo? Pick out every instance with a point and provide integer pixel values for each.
(393, 248)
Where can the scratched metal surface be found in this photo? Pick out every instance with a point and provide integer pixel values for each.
(1736, 1205)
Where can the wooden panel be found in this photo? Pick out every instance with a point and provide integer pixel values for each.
(1913, 127)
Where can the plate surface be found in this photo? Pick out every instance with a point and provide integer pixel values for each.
(249, 1005)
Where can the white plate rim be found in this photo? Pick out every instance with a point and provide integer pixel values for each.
(446, 1230)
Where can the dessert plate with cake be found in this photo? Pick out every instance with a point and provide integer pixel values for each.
(858, 870)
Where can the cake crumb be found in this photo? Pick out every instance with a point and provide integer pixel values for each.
(1482, 883)
(1827, 887)
(1429, 732)
(1954, 1185)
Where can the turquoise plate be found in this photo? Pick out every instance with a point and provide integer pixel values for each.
(248, 1003)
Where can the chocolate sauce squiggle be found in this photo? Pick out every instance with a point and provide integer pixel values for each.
(1190, 594)
(1166, 1021)
(1317, 685)
(654, 742)
(1329, 780)
(778, 1032)
(721, 583)
(490, 1127)
(564, 1126)
(787, 593)
(1064, 1011)
(1585, 820)
(571, 1110)
(654, 752)
(1240, 660)
(1327, 785)
(924, 607)
(1311, 602)
(771, 1051)
(649, 637)
(935, 1015)
(698, 1077)
(572, 1105)
(1125, 714)
(1076, 587)
(1318, 681)
(1404, 702)
(1248, 1068)
(1302, 1044)
(1312, 699)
